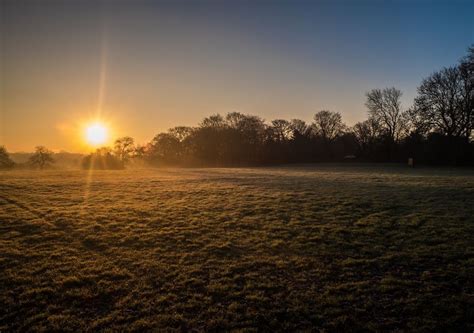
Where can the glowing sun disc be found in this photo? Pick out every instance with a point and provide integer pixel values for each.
(96, 134)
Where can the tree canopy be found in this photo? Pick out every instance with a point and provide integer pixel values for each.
(42, 158)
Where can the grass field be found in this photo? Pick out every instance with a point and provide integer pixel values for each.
(325, 247)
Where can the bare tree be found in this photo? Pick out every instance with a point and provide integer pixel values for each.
(385, 107)
(416, 122)
(124, 148)
(235, 119)
(299, 127)
(444, 102)
(328, 125)
(367, 132)
(466, 68)
(5, 160)
(181, 132)
(42, 157)
(140, 151)
(245, 124)
(282, 130)
(215, 121)
(468, 60)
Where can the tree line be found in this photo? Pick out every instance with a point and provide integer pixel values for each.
(436, 129)
(42, 158)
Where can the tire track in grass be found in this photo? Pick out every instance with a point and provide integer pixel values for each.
(57, 225)
(24, 207)
(41, 233)
(66, 230)
(24, 222)
(85, 240)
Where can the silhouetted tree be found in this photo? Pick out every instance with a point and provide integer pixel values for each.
(42, 157)
(252, 127)
(214, 121)
(366, 134)
(243, 141)
(389, 134)
(299, 127)
(5, 160)
(164, 149)
(470, 56)
(417, 123)
(385, 107)
(443, 103)
(181, 132)
(467, 63)
(466, 68)
(124, 148)
(234, 119)
(328, 125)
(140, 151)
(240, 139)
(102, 159)
(252, 131)
(301, 145)
(282, 130)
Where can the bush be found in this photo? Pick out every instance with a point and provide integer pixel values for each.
(102, 159)
(5, 160)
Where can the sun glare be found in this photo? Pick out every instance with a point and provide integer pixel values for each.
(96, 134)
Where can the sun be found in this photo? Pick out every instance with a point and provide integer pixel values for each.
(96, 134)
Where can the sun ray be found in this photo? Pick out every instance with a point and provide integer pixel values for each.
(97, 131)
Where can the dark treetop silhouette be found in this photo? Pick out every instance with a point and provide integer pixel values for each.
(437, 129)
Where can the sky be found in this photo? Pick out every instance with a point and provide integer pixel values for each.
(145, 66)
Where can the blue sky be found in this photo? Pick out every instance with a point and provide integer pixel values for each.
(149, 65)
